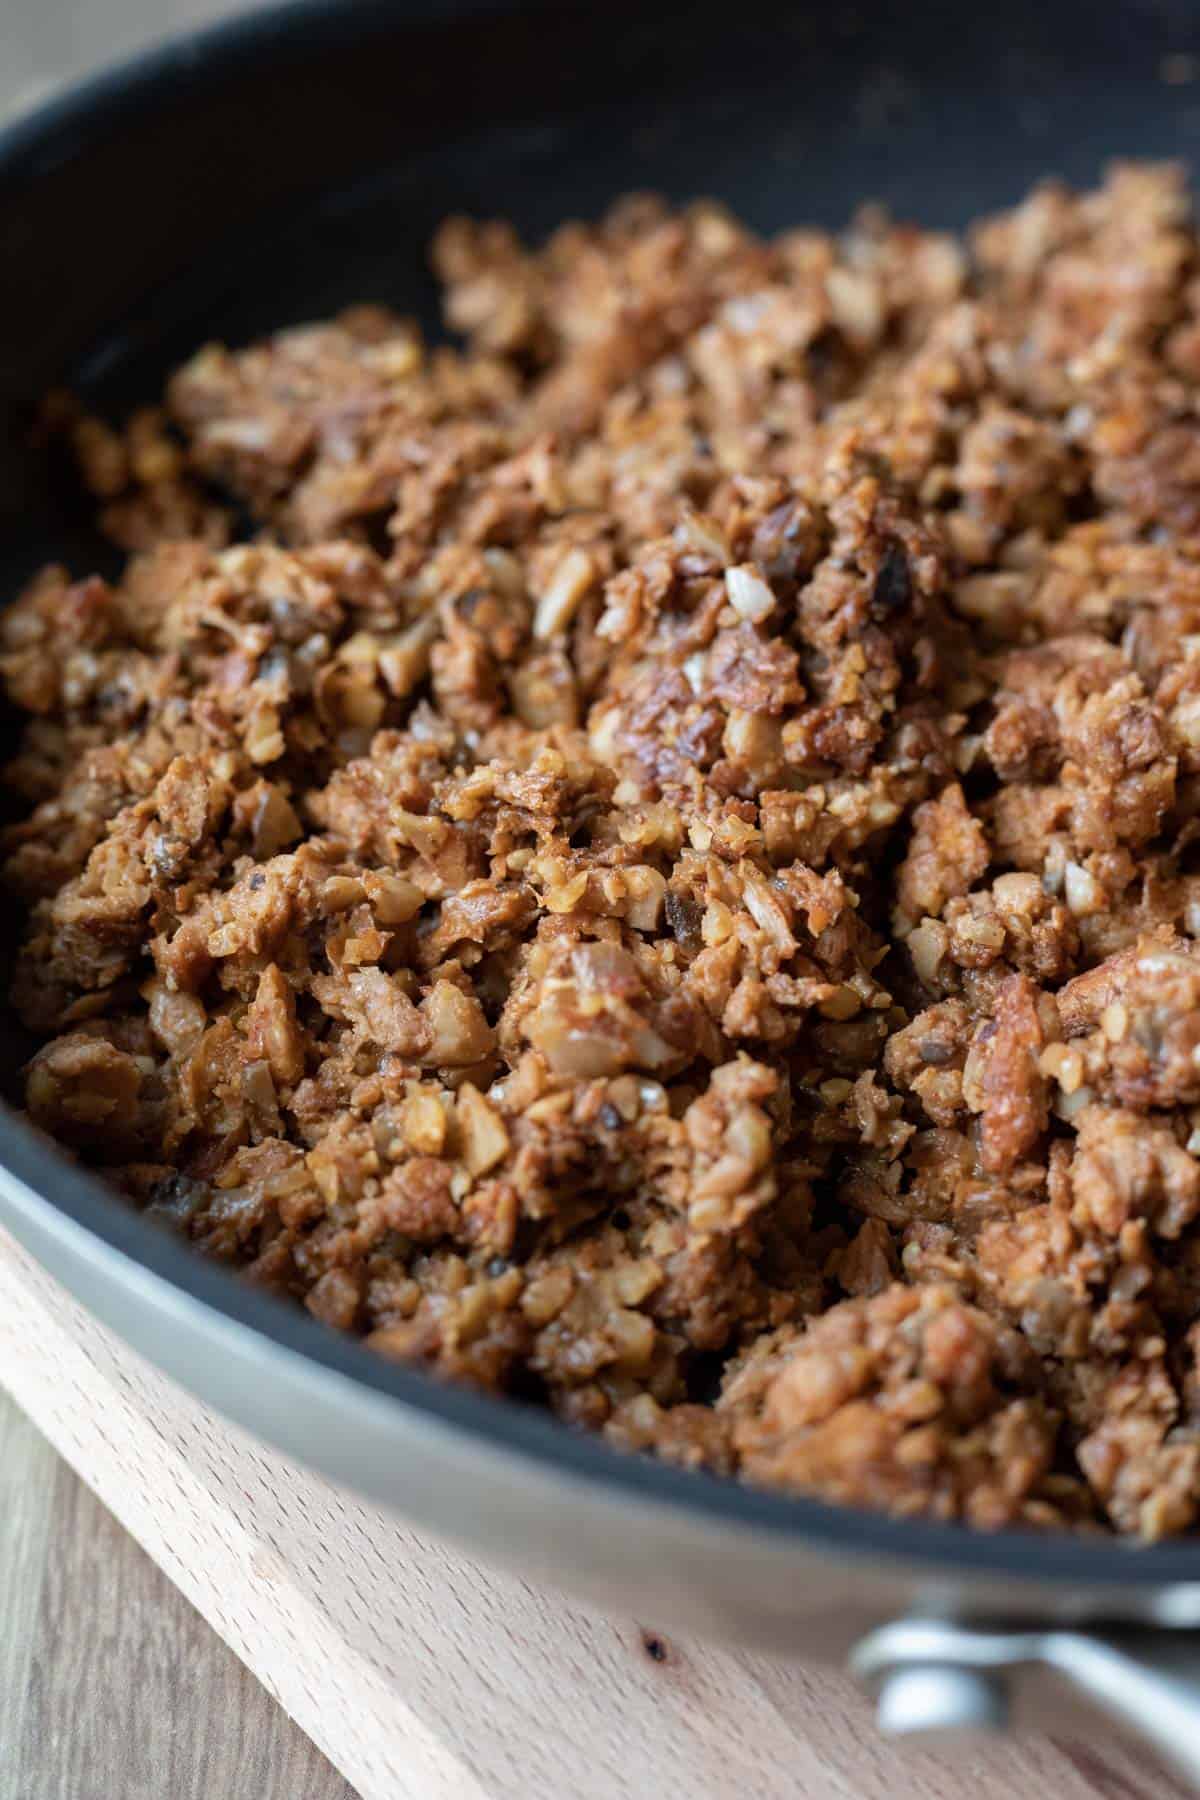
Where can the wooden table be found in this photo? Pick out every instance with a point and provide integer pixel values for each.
(424, 1677)
(112, 1687)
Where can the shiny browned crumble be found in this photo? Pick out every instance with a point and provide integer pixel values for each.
(664, 878)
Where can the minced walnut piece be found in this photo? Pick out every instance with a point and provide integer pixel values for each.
(663, 879)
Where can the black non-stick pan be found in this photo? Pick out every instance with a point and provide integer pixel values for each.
(271, 170)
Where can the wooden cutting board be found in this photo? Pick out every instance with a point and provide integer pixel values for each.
(420, 1676)
(424, 1677)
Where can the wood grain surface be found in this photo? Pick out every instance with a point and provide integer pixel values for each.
(112, 1687)
(423, 1677)
(420, 1675)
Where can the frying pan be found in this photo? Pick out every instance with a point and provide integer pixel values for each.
(270, 170)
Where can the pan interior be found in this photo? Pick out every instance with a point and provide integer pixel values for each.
(272, 172)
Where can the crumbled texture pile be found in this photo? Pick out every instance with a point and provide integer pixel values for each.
(665, 879)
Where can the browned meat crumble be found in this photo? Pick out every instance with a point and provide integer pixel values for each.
(666, 879)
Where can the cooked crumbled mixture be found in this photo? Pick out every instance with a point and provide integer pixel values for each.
(665, 879)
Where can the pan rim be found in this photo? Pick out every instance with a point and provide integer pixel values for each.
(59, 128)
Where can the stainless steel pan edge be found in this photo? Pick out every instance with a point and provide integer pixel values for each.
(642, 1553)
(938, 1617)
(940, 1661)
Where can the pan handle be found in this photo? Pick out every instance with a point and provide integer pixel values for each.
(935, 1676)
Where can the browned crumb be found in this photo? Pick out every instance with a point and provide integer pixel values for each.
(663, 880)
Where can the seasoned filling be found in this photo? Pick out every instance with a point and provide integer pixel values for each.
(661, 875)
